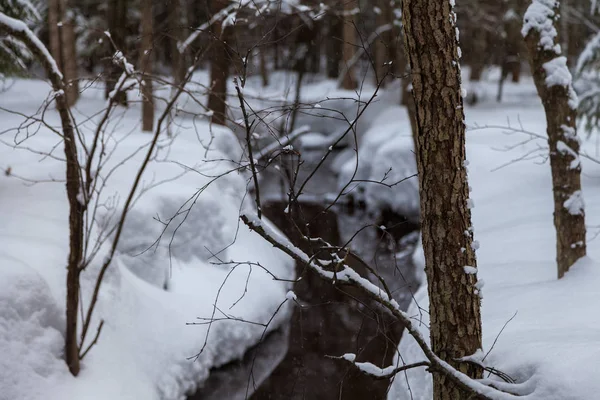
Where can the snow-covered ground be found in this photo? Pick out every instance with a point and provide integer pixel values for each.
(145, 346)
(552, 343)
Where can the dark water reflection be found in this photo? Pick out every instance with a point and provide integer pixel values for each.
(328, 320)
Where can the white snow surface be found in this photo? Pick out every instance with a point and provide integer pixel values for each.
(386, 160)
(144, 348)
(552, 344)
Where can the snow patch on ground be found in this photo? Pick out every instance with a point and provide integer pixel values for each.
(146, 349)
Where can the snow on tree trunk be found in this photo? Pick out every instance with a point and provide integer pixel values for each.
(431, 39)
(146, 57)
(117, 27)
(554, 85)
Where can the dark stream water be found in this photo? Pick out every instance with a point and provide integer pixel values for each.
(294, 363)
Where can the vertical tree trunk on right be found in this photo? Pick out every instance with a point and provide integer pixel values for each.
(146, 57)
(455, 321)
(553, 82)
(349, 45)
(219, 69)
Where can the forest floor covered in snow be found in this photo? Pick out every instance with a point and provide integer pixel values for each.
(541, 331)
(146, 350)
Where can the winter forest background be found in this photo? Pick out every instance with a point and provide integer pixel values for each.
(298, 199)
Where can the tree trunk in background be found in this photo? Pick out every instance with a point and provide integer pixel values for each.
(349, 44)
(402, 68)
(146, 58)
(560, 104)
(384, 49)
(219, 69)
(478, 57)
(455, 326)
(62, 46)
(116, 20)
(334, 45)
(176, 23)
(513, 44)
(264, 74)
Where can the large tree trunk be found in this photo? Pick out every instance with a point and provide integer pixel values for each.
(553, 82)
(116, 17)
(349, 45)
(219, 69)
(146, 58)
(455, 326)
(62, 46)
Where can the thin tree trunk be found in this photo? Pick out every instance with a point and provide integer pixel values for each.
(61, 31)
(62, 46)
(403, 70)
(383, 44)
(333, 45)
(176, 22)
(560, 104)
(349, 45)
(73, 186)
(478, 56)
(117, 21)
(455, 326)
(219, 70)
(264, 73)
(146, 58)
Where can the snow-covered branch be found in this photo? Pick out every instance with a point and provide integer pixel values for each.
(376, 372)
(343, 274)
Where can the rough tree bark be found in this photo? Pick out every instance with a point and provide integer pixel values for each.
(219, 69)
(455, 327)
(349, 45)
(116, 18)
(553, 82)
(146, 58)
(62, 46)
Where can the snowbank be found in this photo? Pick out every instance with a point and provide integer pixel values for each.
(147, 297)
(552, 344)
(386, 159)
